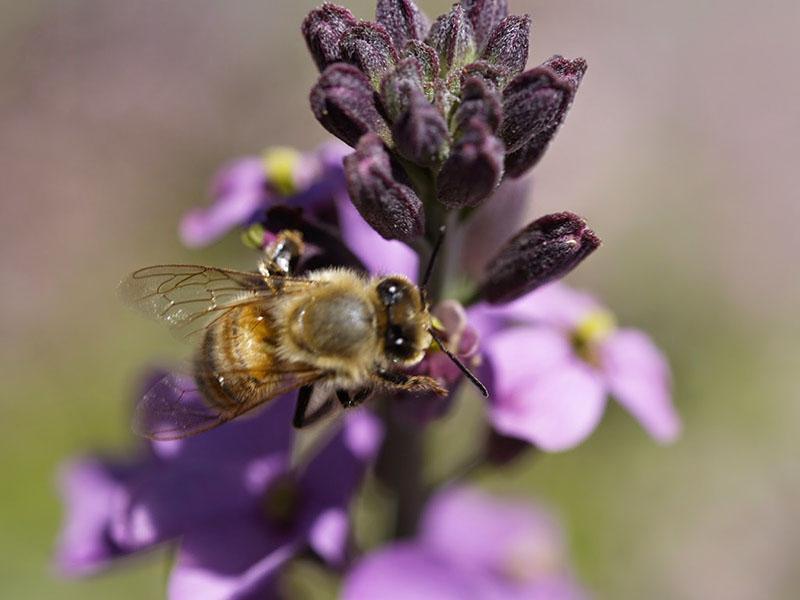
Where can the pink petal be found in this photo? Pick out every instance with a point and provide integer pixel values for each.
(519, 353)
(555, 410)
(639, 378)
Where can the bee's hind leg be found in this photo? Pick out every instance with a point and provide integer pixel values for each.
(301, 416)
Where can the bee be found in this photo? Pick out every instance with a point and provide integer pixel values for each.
(333, 334)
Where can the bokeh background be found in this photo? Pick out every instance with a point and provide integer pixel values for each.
(681, 149)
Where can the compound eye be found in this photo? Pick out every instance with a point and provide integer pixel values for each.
(391, 291)
(397, 343)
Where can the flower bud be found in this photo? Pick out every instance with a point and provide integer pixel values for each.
(427, 59)
(570, 72)
(531, 103)
(323, 29)
(343, 101)
(388, 205)
(397, 85)
(484, 16)
(478, 101)
(420, 133)
(474, 168)
(508, 44)
(369, 47)
(403, 20)
(542, 252)
(451, 36)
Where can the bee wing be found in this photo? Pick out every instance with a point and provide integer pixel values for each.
(175, 408)
(189, 298)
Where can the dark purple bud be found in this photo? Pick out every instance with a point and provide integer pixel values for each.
(523, 159)
(474, 168)
(323, 29)
(451, 36)
(571, 70)
(369, 47)
(374, 183)
(426, 57)
(542, 252)
(492, 75)
(478, 101)
(532, 102)
(484, 16)
(508, 44)
(344, 103)
(503, 451)
(403, 20)
(397, 85)
(420, 133)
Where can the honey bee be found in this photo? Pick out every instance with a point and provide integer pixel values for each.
(332, 334)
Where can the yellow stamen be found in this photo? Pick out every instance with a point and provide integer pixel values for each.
(280, 164)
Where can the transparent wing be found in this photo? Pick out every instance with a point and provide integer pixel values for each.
(175, 407)
(188, 298)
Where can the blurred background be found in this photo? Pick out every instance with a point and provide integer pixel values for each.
(681, 150)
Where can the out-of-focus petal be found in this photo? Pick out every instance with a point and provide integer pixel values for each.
(380, 256)
(332, 477)
(526, 544)
(541, 393)
(328, 535)
(409, 572)
(639, 378)
(554, 304)
(230, 559)
(88, 488)
(239, 192)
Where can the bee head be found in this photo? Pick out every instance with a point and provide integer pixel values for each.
(406, 337)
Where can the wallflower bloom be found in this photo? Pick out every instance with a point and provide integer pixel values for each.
(246, 188)
(555, 355)
(470, 547)
(231, 497)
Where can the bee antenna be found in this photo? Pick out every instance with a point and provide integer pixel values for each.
(469, 374)
(432, 260)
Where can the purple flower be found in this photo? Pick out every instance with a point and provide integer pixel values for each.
(244, 189)
(553, 358)
(231, 497)
(449, 102)
(470, 546)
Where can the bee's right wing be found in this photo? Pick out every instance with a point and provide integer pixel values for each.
(189, 298)
(175, 408)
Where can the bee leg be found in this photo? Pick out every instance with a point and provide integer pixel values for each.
(281, 256)
(344, 398)
(301, 418)
(410, 383)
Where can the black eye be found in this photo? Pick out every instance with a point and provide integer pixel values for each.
(398, 343)
(391, 291)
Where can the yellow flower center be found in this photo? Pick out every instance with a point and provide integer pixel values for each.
(280, 165)
(592, 330)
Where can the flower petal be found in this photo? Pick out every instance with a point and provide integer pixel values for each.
(239, 194)
(88, 487)
(541, 393)
(639, 378)
(408, 572)
(235, 558)
(523, 537)
(328, 535)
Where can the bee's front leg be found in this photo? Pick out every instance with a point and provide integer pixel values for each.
(301, 416)
(410, 383)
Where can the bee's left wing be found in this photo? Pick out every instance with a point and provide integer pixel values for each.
(188, 298)
(175, 408)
